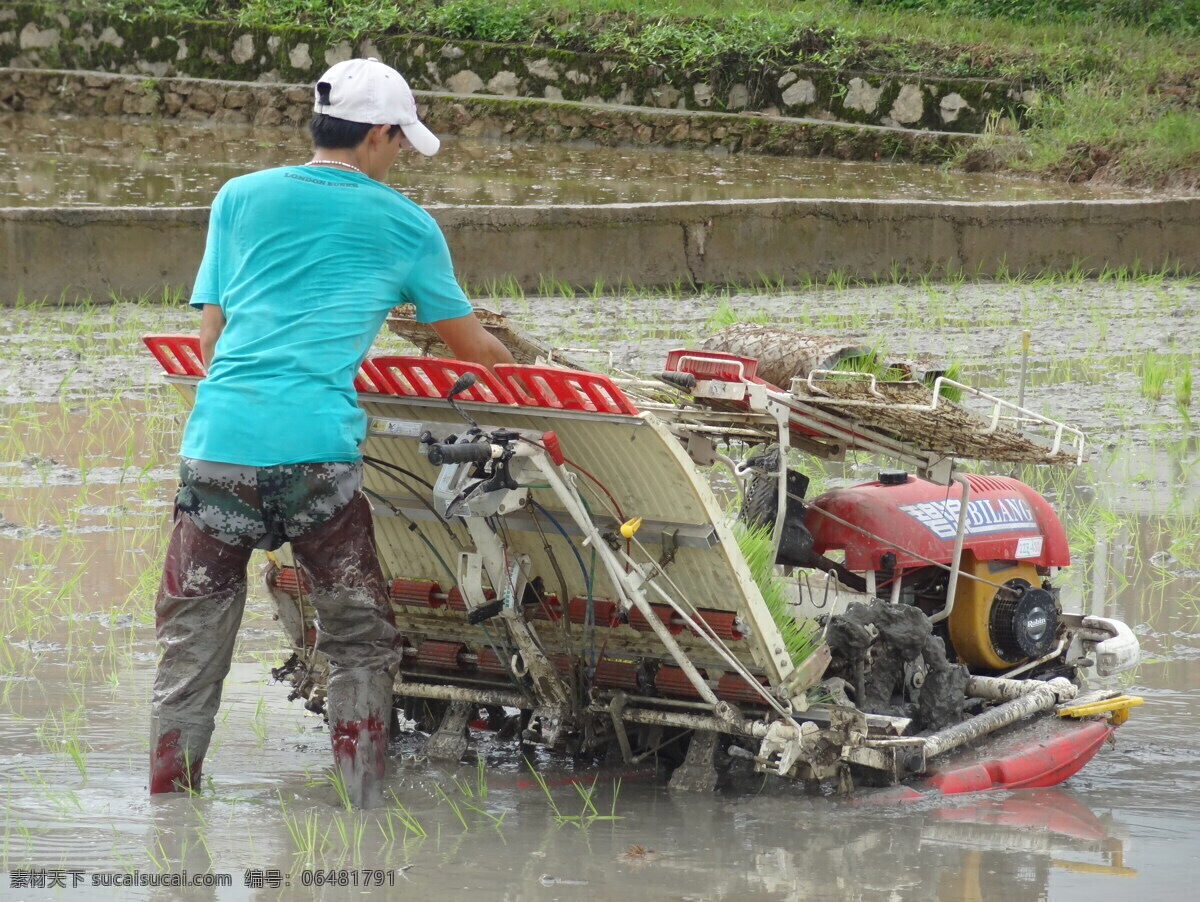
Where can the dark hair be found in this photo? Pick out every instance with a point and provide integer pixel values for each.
(331, 133)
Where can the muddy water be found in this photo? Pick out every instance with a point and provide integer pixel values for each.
(86, 442)
(87, 162)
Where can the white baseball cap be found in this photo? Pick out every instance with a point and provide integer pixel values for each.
(368, 91)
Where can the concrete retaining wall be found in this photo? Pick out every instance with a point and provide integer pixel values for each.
(71, 253)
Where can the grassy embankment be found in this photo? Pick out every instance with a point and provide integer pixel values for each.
(1120, 79)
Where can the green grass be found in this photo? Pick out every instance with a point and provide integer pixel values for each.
(1118, 80)
(1172, 16)
(707, 34)
(1127, 126)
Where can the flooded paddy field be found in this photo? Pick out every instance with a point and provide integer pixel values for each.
(88, 435)
(90, 162)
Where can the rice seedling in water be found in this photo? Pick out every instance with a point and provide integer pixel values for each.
(1155, 371)
(1183, 389)
(258, 723)
(400, 813)
(590, 812)
(454, 806)
(351, 836)
(307, 836)
(468, 791)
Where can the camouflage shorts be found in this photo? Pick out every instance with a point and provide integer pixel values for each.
(263, 507)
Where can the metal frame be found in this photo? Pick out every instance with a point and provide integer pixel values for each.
(792, 741)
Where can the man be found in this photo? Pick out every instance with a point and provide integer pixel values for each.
(301, 266)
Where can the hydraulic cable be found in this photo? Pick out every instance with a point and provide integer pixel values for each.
(507, 663)
(614, 507)
(380, 462)
(558, 526)
(306, 649)
(563, 593)
(564, 618)
(383, 467)
(589, 620)
(416, 530)
(602, 486)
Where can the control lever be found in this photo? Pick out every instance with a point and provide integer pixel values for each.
(461, 384)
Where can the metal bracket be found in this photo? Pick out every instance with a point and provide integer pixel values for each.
(784, 746)
(470, 579)
(670, 544)
(698, 773)
(545, 724)
(701, 450)
(449, 742)
(896, 758)
(547, 684)
(615, 708)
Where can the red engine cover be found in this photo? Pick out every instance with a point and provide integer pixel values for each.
(1006, 520)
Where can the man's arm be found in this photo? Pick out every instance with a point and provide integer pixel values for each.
(212, 321)
(468, 340)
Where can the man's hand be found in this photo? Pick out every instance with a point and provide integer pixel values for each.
(212, 322)
(468, 340)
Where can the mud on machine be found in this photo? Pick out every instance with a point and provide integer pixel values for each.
(556, 548)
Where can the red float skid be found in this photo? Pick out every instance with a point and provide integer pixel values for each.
(1031, 764)
(1041, 755)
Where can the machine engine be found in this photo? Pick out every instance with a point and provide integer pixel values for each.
(899, 532)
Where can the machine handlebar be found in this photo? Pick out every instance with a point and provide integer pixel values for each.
(463, 452)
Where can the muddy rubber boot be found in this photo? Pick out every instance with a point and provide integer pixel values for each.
(359, 708)
(176, 756)
(196, 636)
(356, 631)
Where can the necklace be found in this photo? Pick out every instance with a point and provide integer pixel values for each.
(334, 163)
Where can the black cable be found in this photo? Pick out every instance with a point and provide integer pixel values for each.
(379, 462)
(570, 544)
(412, 527)
(564, 617)
(379, 465)
(589, 624)
(564, 595)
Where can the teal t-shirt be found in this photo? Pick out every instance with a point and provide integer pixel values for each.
(305, 263)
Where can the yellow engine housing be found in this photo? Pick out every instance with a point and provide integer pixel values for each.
(970, 632)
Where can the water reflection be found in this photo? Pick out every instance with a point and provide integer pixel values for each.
(90, 162)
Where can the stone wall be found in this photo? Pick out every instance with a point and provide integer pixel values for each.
(64, 254)
(53, 92)
(35, 38)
